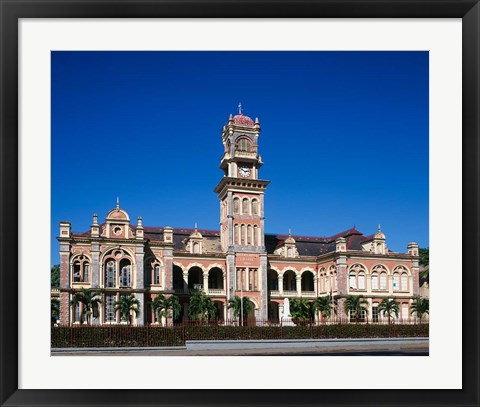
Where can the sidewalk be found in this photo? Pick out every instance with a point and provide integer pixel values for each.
(268, 348)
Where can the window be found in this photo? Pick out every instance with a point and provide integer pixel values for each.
(110, 313)
(244, 145)
(375, 313)
(245, 206)
(404, 282)
(77, 313)
(361, 281)
(156, 274)
(240, 279)
(76, 272)
(254, 207)
(86, 272)
(255, 235)
(236, 237)
(289, 252)
(110, 274)
(242, 235)
(236, 205)
(374, 280)
(196, 248)
(249, 235)
(148, 273)
(405, 312)
(353, 281)
(396, 286)
(352, 315)
(125, 274)
(383, 281)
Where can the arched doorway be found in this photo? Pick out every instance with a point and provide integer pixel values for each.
(177, 279)
(308, 281)
(215, 279)
(289, 281)
(273, 312)
(272, 280)
(195, 278)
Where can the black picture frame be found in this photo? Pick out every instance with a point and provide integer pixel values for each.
(11, 11)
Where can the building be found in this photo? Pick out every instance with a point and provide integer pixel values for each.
(117, 257)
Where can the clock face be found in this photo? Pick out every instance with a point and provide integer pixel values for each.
(244, 171)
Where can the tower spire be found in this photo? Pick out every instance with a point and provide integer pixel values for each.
(240, 108)
(118, 202)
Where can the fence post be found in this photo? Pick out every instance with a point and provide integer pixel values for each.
(183, 331)
(217, 330)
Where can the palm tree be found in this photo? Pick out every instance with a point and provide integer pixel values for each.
(166, 307)
(300, 309)
(420, 306)
(89, 299)
(127, 304)
(356, 305)
(324, 305)
(236, 304)
(201, 306)
(387, 307)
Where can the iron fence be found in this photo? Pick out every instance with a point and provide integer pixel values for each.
(84, 336)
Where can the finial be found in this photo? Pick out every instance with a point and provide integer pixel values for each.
(379, 227)
(195, 226)
(239, 108)
(139, 220)
(95, 218)
(256, 120)
(289, 232)
(118, 202)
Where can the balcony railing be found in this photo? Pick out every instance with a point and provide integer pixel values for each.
(215, 291)
(308, 294)
(246, 154)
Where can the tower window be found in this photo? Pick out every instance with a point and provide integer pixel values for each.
(245, 206)
(254, 207)
(156, 275)
(236, 205)
(255, 235)
(249, 235)
(244, 145)
(236, 239)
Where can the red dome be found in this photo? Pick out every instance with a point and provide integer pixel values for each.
(243, 120)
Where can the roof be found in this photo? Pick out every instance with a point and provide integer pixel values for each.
(306, 245)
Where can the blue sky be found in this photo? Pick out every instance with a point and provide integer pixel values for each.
(344, 138)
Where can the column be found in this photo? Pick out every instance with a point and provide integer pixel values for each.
(65, 284)
(139, 254)
(168, 268)
(299, 285)
(205, 282)
(185, 281)
(280, 284)
(262, 276)
(230, 287)
(315, 284)
(95, 249)
(224, 281)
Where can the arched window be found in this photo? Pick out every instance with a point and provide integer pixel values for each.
(254, 207)
(76, 272)
(255, 235)
(242, 235)
(404, 282)
(361, 281)
(77, 315)
(396, 282)
(353, 280)
(245, 206)
(383, 281)
(236, 205)
(289, 252)
(110, 273)
(125, 273)
(374, 280)
(244, 145)
(196, 247)
(86, 272)
(249, 235)
(148, 272)
(236, 237)
(156, 274)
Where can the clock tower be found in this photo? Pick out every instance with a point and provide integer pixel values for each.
(241, 196)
